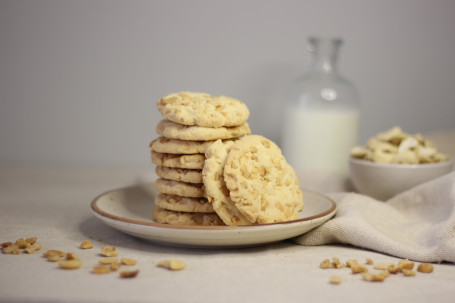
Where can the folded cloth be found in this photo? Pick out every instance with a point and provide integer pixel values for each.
(418, 224)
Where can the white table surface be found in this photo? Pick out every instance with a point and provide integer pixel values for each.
(53, 205)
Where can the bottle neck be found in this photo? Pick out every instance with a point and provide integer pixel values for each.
(324, 54)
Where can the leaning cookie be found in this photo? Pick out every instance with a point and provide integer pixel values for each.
(185, 204)
(180, 188)
(263, 186)
(215, 186)
(174, 130)
(165, 216)
(202, 109)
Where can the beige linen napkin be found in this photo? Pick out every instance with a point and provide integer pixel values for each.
(418, 224)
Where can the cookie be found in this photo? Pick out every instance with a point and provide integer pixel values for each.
(215, 186)
(186, 204)
(263, 186)
(174, 130)
(195, 161)
(180, 188)
(179, 174)
(204, 110)
(175, 146)
(165, 216)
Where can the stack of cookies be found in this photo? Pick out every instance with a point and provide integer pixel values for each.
(193, 122)
(212, 172)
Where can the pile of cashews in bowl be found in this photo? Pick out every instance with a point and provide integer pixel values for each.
(393, 162)
(396, 147)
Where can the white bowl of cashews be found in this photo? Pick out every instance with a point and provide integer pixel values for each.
(393, 162)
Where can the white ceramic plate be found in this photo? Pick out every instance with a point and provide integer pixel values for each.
(130, 210)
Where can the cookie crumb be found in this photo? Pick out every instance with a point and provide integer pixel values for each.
(172, 264)
(86, 245)
(425, 268)
(106, 261)
(70, 264)
(11, 249)
(109, 251)
(372, 277)
(128, 261)
(129, 273)
(335, 280)
(381, 266)
(53, 255)
(101, 269)
(34, 247)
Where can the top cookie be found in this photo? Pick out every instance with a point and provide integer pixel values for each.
(263, 186)
(201, 109)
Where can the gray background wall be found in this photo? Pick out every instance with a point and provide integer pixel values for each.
(79, 80)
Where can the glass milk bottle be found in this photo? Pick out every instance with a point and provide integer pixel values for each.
(321, 122)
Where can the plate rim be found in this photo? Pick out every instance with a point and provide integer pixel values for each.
(96, 209)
